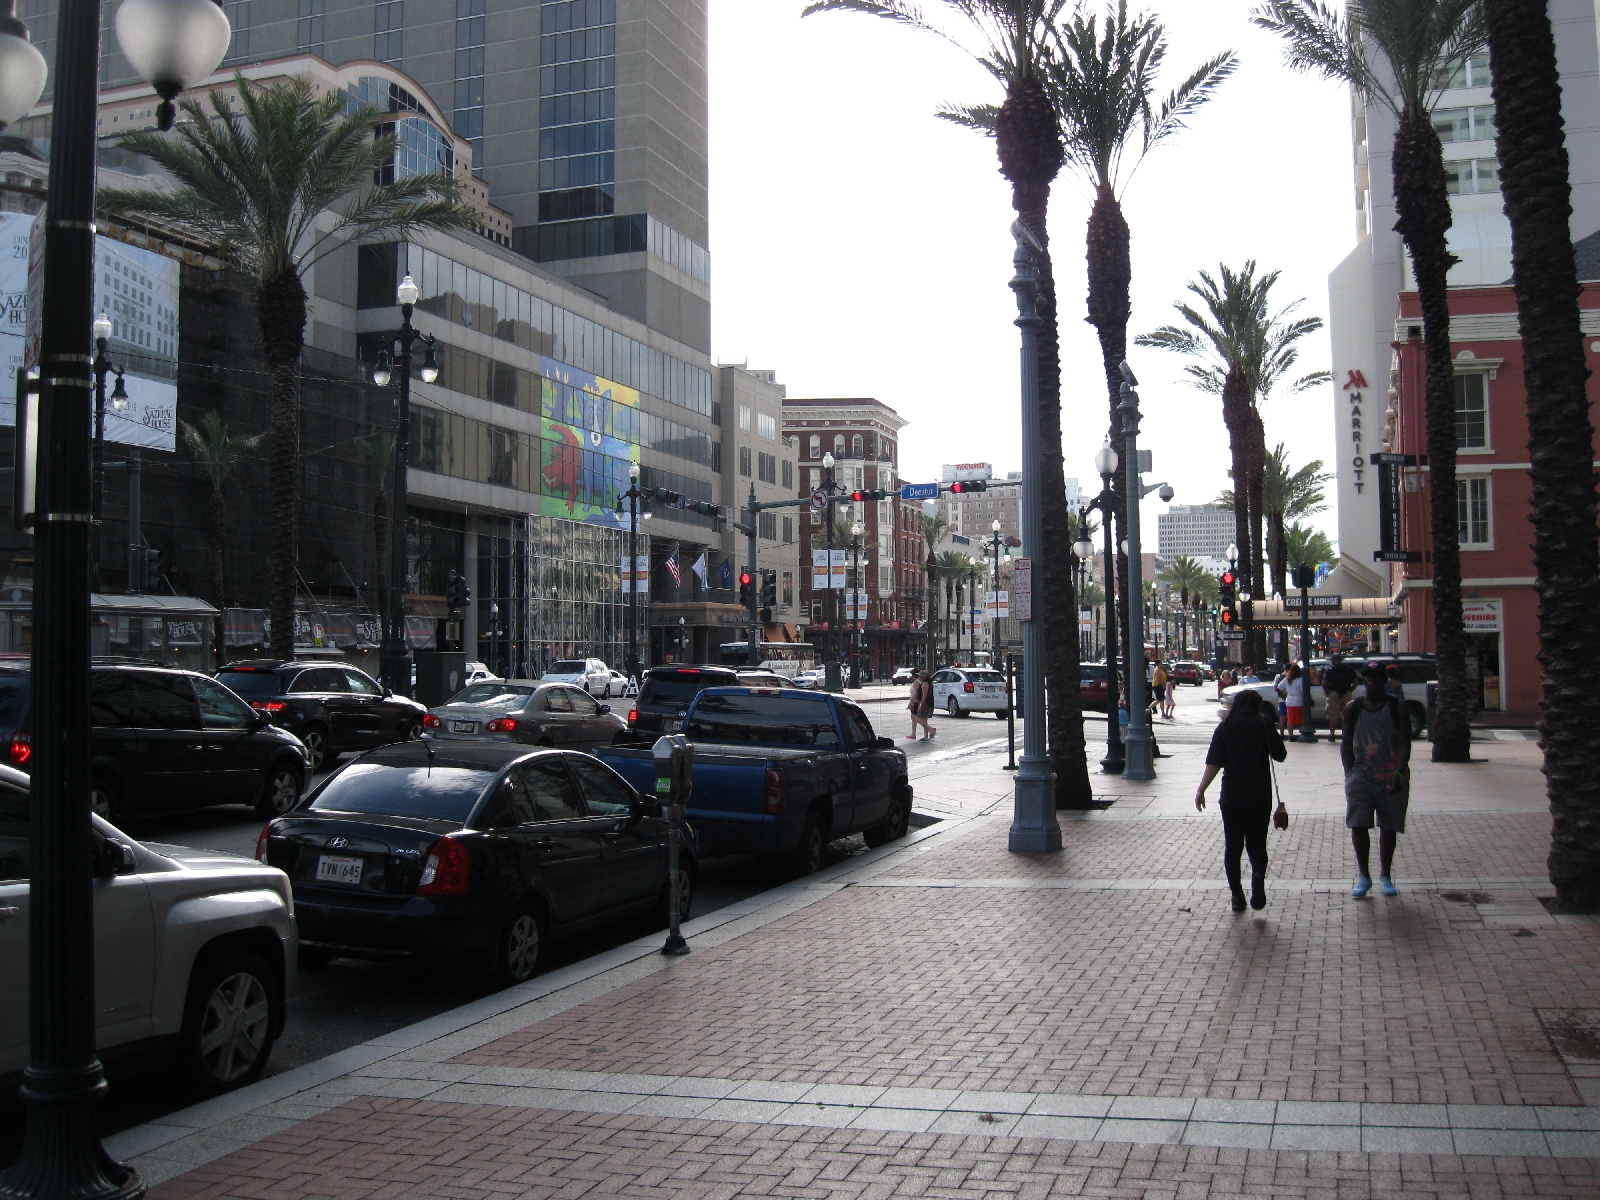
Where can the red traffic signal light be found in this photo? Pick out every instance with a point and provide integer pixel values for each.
(970, 485)
(857, 497)
(1227, 579)
(745, 578)
(1227, 616)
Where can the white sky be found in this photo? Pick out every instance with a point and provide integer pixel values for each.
(860, 246)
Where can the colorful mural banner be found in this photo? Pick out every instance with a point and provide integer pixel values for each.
(590, 436)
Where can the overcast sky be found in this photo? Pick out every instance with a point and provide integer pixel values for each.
(860, 246)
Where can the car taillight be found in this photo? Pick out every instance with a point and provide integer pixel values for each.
(774, 790)
(633, 717)
(967, 687)
(446, 871)
(432, 722)
(21, 749)
(268, 706)
(261, 842)
(502, 725)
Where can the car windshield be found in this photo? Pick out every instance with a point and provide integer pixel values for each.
(575, 667)
(769, 720)
(493, 695)
(1092, 670)
(13, 702)
(986, 677)
(664, 689)
(250, 683)
(439, 793)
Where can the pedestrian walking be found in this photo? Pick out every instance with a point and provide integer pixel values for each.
(1293, 690)
(1338, 688)
(1158, 687)
(1391, 683)
(921, 706)
(1376, 751)
(1241, 749)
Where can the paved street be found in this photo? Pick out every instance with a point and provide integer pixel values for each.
(941, 1018)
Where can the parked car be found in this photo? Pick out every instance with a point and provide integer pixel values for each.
(477, 672)
(902, 675)
(472, 855)
(1184, 671)
(194, 952)
(764, 679)
(1093, 687)
(962, 691)
(618, 684)
(810, 679)
(592, 675)
(781, 772)
(665, 696)
(1417, 671)
(330, 707)
(528, 712)
(165, 741)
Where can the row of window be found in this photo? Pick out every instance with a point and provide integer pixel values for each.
(571, 204)
(556, 48)
(858, 446)
(583, 76)
(582, 171)
(560, 16)
(388, 21)
(1469, 176)
(596, 137)
(470, 39)
(420, 149)
(577, 108)
(308, 28)
(463, 448)
(475, 300)
(238, 14)
(677, 249)
(554, 241)
(1475, 124)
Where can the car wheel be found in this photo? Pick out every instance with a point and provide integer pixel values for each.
(312, 959)
(411, 731)
(103, 798)
(686, 881)
(895, 824)
(1002, 715)
(806, 857)
(280, 792)
(228, 1021)
(521, 944)
(316, 744)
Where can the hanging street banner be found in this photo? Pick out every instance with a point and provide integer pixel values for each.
(639, 578)
(997, 604)
(836, 568)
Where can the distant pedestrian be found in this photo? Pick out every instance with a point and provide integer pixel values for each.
(1224, 681)
(1391, 683)
(1249, 673)
(1293, 690)
(1172, 697)
(1240, 748)
(1158, 687)
(1376, 751)
(921, 706)
(1338, 687)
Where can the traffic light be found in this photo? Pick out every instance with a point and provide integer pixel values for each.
(457, 595)
(746, 592)
(152, 567)
(1228, 618)
(769, 589)
(1226, 588)
(969, 485)
(856, 497)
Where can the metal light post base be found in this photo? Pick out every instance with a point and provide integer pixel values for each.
(1140, 762)
(61, 1152)
(676, 947)
(1113, 764)
(1034, 829)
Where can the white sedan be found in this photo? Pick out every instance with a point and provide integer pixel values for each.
(590, 674)
(809, 679)
(902, 675)
(962, 691)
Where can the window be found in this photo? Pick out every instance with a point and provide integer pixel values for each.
(788, 531)
(1472, 416)
(469, 77)
(744, 460)
(767, 426)
(1470, 72)
(359, 684)
(860, 729)
(767, 526)
(603, 792)
(744, 417)
(788, 475)
(541, 791)
(857, 446)
(1475, 124)
(142, 701)
(387, 31)
(220, 708)
(308, 33)
(1472, 510)
(816, 446)
(786, 596)
(816, 478)
(774, 720)
(838, 445)
(767, 468)
(1471, 176)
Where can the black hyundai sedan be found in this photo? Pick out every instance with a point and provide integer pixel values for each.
(480, 855)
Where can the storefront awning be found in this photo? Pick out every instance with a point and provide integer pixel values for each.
(1352, 611)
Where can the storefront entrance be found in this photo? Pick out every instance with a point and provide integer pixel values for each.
(1483, 621)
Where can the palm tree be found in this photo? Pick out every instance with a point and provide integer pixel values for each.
(1303, 544)
(253, 179)
(1183, 575)
(953, 567)
(932, 527)
(1534, 182)
(1245, 349)
(379, 451)
(1015, 39)
(219, 453)
(1395, 52)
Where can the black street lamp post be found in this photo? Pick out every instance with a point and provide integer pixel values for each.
(1105, 464)
(633, 496)
(102, 366)
(831, 675)
(395, 661)
(61, 1154)
(995, 544)
(857, 605)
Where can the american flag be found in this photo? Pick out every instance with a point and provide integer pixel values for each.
(672, 569)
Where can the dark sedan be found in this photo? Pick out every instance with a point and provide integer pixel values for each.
(476, 855)
(1093, 687)
(527, 711)
(330, 707)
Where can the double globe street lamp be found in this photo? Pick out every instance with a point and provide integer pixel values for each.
(172, 44)
(1105, 465)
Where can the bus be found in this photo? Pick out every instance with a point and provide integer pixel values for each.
(783, 658)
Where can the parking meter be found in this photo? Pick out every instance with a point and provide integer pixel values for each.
(674, 758)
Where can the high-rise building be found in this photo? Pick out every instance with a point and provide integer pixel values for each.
(1364, 290)
(1195, 530)
(758, 458)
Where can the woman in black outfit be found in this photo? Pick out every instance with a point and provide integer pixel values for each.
(1239, 749)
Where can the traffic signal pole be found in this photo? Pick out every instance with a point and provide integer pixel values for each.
(753, 603)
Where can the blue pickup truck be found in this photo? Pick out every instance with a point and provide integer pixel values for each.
(782, 772)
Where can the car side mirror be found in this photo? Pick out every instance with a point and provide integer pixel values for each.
(885, 743)
(112, 858)
(387, 694)
(605, 708)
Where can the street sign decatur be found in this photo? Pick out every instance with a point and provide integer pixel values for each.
(919, 491)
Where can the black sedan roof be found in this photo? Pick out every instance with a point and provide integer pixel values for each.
(469, 756)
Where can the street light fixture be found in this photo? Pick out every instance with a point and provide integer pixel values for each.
(1106, 463)
(857, 643)
(632, 496)
(831, 680)
(167, 42)
(1140, 761)
(395, 660)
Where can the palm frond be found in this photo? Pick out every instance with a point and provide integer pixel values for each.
(982, 117)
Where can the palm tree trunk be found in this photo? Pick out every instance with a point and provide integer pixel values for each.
(1424, 209)
(1235, 416)
(380, 532)
(1110, 277)
(1279, 544)
(216, 534)
(1534, 181)
(281, 314)
(1257, 469)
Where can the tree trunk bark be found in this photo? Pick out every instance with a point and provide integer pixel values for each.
(1424, 210)
(281, 314)
(380, 531)
(1278, 551)
(1534, 182)
(1257, 468)
(1110, 276)
(1235, 416)
(216, 534)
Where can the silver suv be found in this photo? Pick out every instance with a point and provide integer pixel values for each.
(194, 951)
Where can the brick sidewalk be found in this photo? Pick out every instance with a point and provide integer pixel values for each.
(942, 1018)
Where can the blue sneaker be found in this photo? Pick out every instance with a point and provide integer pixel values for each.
(1362, 887)
(1386, 886)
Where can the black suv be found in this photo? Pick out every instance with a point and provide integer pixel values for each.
(328, 706)
(166, 741)
(667, 692)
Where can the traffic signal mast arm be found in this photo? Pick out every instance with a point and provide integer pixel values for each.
(750, 594)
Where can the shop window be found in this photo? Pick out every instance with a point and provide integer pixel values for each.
(1473, 513)
(1472, 412)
